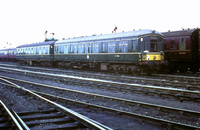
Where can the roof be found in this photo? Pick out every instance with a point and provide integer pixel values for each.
(7, 49)
(180, 33)
(110, 36)
(38, 44)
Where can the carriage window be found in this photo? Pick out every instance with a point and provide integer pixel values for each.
(104, 47)
(123, 46)
(43, 50)
(172, 44)
(153, 46)
(87, 48)
(37, 50)
(111, 47)
(71, 47)
(66, 49)
(75, 48)
(135, 46)
(95, 48)
(56, 49)
(47, 50)
(182, 44)
(81, 47)
(28, 51)
(61, 49)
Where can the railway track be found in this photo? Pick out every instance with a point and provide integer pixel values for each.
(163, 92)
(145, 109)
(58, 118)
(9, 119)
(107, 82)
(174, 81)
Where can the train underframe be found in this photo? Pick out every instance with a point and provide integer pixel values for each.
(8, 59)
(182, 66)
(117, 67)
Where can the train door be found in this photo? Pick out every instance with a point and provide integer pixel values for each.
(199, 45)
(195, 45)
(51, 51)
(194, 38)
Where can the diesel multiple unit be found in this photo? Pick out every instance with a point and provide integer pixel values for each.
(133, 51)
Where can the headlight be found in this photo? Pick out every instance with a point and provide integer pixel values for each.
(146, 51)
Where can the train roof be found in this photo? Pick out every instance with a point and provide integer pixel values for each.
(110, 36)
(38, 44)
(7, 49)
(187, 32)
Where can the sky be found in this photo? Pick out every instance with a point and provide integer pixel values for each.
(26, 21)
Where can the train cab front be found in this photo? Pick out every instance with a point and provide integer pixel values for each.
(152, 56)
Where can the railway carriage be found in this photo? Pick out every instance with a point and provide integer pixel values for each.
(182, 50)
(120, 52)
(37, 53)
(8, 54)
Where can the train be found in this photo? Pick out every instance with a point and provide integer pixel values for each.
(129, 52)
(139, 51)
(182, 50)
(8, 54)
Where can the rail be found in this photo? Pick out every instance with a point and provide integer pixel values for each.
(107, 97)
(21, 122)
(17, 124)
(84, 120)
(136, 87)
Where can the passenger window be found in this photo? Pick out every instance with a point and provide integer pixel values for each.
(123, 46)
(182, 44)
(81, 47)
(66, 50)
(47, 50)
(104, 47)
(43, 50)
(116, 46)
(130, 46)
(135, 45)
(87, 48)
(31, 50)
(56, 49)
(37, 50)
(75, 48)
(95, 48)
(71, 48)
(153, 47)
(111, 47)
(172, 44)
(61, 49)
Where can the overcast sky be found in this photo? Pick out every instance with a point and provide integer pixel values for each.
(25, 21)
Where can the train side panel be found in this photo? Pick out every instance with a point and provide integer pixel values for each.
(36, 54)
(181, 50)
(118, 52)
(8, 54)
(101, 57)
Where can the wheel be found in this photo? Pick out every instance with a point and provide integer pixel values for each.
(194, 69)
(183, 69)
